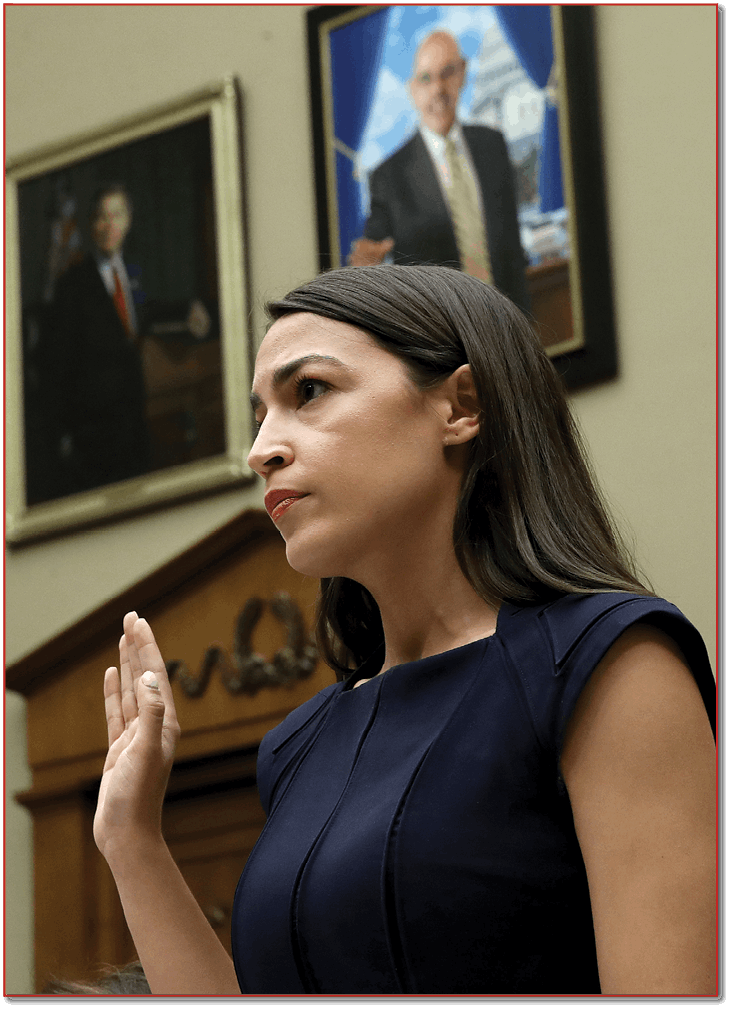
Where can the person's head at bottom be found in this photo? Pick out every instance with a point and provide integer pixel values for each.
(127, 980)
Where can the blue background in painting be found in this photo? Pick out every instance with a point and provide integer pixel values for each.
(372, 60)
(355, 56)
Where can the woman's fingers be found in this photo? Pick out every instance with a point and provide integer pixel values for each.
(134, 664)
(128, 696)
(157, 728)
(127, 659)
(153, 685)
(113, 705)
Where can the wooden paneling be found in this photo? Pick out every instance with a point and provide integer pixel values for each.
(212, 815)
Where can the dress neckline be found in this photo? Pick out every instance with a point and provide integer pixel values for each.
(460, 651)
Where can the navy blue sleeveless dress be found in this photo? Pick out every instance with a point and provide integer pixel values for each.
(419, 837)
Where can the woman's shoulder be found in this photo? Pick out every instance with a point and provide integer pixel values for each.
(553, 647)
(577, 625)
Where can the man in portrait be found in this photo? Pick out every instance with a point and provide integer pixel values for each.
(94, 398)
(93, 366)
(447, 195)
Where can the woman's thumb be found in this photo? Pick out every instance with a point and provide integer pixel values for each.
(149, 703)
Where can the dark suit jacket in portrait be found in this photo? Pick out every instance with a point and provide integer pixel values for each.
(407, 205)
(94, 394)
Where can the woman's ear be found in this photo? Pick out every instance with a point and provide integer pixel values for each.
(460, 406)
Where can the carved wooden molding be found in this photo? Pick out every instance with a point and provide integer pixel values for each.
(212, 815)
(240, 534)
(246, 671)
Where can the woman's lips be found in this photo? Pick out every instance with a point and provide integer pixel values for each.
(277, 502)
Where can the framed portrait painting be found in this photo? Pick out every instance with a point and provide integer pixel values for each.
(127, 357)
(469, 136)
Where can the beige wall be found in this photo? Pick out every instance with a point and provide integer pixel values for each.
(71, 68)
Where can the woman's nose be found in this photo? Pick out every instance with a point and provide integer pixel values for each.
(269, 453)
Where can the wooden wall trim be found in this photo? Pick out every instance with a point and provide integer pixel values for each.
(241, 533)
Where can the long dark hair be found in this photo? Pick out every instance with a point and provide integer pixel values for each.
(530, 524)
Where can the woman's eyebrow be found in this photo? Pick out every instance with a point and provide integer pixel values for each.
(285, 371)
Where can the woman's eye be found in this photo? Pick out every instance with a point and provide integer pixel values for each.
(309, 389)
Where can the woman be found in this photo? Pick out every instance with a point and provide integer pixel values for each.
(510, 790)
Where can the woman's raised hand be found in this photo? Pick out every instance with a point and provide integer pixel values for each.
(143, 733)
(179, 950)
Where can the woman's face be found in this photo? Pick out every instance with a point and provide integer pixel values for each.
(351, 450)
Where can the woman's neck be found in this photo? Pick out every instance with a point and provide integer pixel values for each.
(427, 606)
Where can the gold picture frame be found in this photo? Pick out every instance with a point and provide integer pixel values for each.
(184, 192)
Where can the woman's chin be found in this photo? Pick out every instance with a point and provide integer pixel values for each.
(316, 559)
(311, 562)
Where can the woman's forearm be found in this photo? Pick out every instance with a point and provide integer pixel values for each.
(179, 951)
